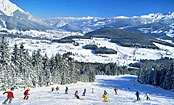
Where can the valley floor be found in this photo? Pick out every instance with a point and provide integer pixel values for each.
(126, 85)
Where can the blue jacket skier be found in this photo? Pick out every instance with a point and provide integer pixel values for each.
(76, 94)
(138, 95)
(66, 90)
(84, 92)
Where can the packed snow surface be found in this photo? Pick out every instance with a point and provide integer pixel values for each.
(127, 85)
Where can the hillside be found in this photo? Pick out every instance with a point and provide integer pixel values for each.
(125, 38)
(71, 28)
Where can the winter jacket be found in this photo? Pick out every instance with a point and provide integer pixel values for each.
(10, 94)
(66, 89)
(105, 98)
(137, 93)
(76, 94)
(26, 92)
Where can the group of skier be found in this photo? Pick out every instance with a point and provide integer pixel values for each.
(57, 89)
(10, 95)
(105, 93)
(138, 96)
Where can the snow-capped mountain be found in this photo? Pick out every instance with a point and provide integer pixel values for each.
(158, 25)
(9, 8)
(84, 23)
(13, 17)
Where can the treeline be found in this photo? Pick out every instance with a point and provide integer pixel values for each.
(18, 69)
(158, 73)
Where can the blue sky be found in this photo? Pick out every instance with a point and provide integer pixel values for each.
(95, 8)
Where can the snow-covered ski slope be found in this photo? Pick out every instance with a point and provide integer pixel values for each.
(127, 86)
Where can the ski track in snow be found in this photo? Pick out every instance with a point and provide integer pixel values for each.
(127, 86)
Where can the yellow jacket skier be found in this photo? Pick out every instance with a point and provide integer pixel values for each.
(104, 96)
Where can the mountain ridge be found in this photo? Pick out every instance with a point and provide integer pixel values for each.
(126, 23)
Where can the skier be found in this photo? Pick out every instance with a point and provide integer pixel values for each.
(26, 94)
(76, 94)
(10, 96)
(105, 92)
(92, 90)
(57, 89)
(66, 90)
(104, 96)
(52, 89)
(84, 92)
(138, 95)
(115, 91)
(147, 96)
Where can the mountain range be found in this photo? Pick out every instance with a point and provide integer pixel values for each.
(14, 18)
(158, 25)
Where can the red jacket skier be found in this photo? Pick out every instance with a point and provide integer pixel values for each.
(10, 96)
(115, 91)
(26, 94)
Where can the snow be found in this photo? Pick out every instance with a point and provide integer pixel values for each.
(47, 34)
(124, 56)
(157, 31)
(8, 8)
(4, 23)
(170, 33)
(145, 30)
(121, 17)
(61, 24)
(126, 85)
(159, 16)
(76, 18)
(125, 27)
(99, 23)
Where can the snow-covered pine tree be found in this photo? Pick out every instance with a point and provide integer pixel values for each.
(169, 78)
(27, 69)
(46, 69)
(7, 68)
(64, 71)
(54, 68)
(91, 74)
(4, 51)
(39, 68)
(159, 73)
(15, 55)
(74, 71)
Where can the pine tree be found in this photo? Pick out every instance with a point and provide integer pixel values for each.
(54, 69)
(7, 68)
(64, 71)
(38, 66)
(4, 51)
(46, 69)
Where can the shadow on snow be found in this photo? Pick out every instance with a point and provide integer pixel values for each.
(128, 83)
